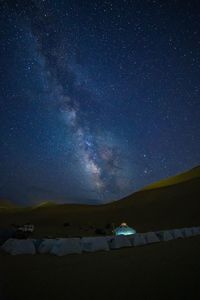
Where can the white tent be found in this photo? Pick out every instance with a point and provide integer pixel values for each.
(137, 239)
(177, 233)
(124, 229)
(151, 237)
(66, 246)
(15, 247)
(119, 241)
(92, 244)
(46, 246)
(109, 238)
(188, 232)
(164, 235)
(196, 230)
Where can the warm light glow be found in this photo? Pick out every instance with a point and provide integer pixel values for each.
(124, 229)
(124, 224)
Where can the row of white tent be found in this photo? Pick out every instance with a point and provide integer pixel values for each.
(65, 246)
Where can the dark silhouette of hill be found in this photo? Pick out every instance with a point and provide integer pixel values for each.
(7, 204)
(179, 178)
(171, 203)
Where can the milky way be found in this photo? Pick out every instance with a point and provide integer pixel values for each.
(98, 157)
(98, 98)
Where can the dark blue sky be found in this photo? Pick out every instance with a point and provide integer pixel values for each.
(97, 98)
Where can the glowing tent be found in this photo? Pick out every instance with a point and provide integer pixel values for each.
(124, 229)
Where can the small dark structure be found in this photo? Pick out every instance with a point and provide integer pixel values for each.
(100, 231)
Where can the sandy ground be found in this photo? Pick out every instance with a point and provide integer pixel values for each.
(168, 270)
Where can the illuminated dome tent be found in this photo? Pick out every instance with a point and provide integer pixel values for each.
(124, 229)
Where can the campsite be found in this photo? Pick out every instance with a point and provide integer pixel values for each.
(165, 259)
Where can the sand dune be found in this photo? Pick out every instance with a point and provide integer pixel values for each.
(174, 204)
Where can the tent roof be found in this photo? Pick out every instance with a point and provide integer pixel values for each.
(124, 230)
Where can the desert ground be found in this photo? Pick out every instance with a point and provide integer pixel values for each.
(168, 270)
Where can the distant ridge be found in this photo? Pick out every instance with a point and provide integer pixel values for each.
(179, 178)
(170, 203)
(44, 204)
(7, 204)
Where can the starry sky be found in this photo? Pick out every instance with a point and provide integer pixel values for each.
(97, 98)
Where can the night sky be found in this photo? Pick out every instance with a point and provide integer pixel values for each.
(97, 98)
